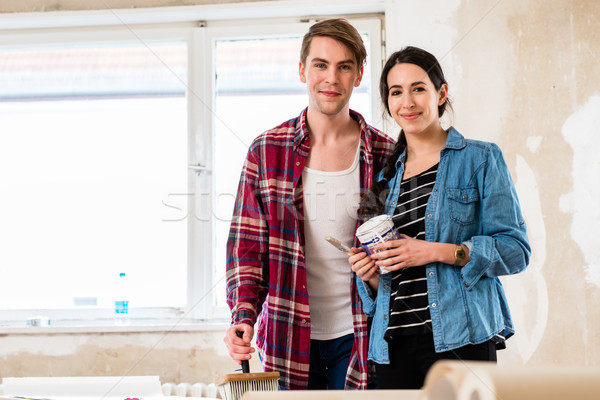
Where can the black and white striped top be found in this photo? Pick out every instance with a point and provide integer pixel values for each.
(409, 305)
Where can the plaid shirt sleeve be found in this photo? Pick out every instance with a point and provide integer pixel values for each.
(247, 248)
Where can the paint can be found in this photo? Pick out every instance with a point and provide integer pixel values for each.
(376, 230)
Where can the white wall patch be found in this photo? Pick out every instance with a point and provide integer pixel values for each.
(582, 130)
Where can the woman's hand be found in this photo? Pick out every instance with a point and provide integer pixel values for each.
(364, 267)
(402, 253)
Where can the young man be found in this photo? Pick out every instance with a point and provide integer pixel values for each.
(301, 181)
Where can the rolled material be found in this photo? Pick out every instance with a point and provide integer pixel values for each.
(466, 380)
(334, 395)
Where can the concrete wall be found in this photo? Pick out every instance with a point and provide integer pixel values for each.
(523, 74)
(175, 356)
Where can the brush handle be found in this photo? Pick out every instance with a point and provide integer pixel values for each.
(245, 363)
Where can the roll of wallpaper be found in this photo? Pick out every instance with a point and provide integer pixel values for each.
(466, 380)
(334, 395)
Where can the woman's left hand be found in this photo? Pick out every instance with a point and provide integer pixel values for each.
(402, 253)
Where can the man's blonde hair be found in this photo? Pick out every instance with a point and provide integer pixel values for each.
(340, 30)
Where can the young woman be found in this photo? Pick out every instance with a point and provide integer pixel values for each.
(455, 205)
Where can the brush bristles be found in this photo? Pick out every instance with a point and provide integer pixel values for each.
(234, 390)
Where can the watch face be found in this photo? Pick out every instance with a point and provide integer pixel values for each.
(459, 254)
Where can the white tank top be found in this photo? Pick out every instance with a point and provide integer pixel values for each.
(330, 204)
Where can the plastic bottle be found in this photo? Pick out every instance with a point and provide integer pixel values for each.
(121, 301)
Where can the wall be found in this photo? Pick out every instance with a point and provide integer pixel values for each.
(176, 356)
(522, 74)
(525, 75)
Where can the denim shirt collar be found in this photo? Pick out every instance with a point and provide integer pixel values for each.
(454, 141)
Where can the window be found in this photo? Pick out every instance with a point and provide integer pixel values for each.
(265, 92)
(94, 140)
(121, 151)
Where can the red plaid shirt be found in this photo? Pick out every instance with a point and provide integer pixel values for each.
(266, 273)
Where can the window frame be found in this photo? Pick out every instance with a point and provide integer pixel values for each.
(81, 36)
(199, 36)
(252, 29)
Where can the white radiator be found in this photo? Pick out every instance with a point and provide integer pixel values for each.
(191, 390)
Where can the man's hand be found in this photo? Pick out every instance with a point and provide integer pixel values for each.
(239, 348)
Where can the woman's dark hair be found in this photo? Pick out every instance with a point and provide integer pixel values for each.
(373, 202)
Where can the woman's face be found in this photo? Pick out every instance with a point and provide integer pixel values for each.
(413, 99)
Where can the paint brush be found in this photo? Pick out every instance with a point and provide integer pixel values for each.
(233, 386)
(339, 245)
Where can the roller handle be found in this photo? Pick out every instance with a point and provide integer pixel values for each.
(245, 363)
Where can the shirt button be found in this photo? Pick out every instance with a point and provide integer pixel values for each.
(431, 274)
(393, 203)
(386, 286)
(385, 317)
(466, 284)
(433, 305)
(464, 196)
(297, 163)
(428, 215)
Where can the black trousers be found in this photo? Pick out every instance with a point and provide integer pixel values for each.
(412, 356)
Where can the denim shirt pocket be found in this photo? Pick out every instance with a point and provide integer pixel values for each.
(463, 204)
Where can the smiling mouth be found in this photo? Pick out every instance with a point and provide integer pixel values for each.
(410, 116)
(329, 93)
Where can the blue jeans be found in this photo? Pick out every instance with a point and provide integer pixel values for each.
(329, 361)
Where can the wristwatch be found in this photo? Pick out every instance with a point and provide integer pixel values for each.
(459, 255)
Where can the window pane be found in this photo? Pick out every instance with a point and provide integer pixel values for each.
(93, 140)
(265, 92)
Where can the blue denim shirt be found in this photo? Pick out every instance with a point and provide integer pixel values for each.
(473, 202)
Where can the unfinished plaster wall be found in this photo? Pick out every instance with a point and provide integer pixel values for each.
(522, 74)
(525, 75)
(174, 356)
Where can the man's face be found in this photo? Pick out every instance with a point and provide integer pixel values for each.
(331, 73)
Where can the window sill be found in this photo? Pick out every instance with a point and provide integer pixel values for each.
(110, 327)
